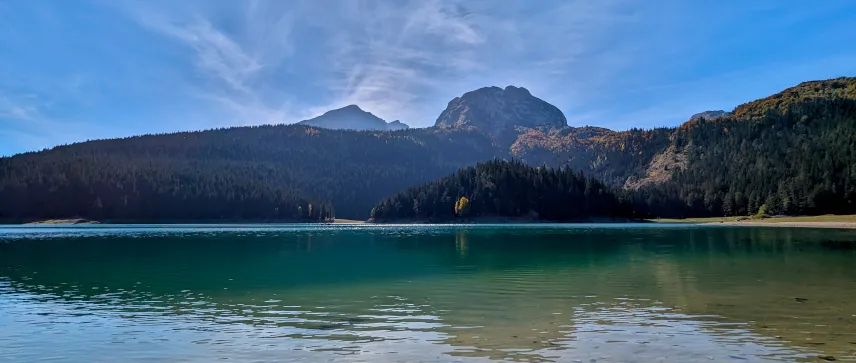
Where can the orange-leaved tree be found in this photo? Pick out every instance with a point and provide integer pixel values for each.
(462, 207)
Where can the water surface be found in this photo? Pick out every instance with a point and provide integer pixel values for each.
(520, 293)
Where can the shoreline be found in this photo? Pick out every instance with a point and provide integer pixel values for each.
(819, 221)
(774, 224)
(509, 220)
(826, 221)
(62, 221)
(83, 221)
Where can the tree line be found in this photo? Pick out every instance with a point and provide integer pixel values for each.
(104, 188)
(509, 189)
(800, 161)
(243, 173)
(790, 153)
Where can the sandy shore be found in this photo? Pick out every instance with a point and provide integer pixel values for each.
(65, 221)
(347, 221)
(843, 225)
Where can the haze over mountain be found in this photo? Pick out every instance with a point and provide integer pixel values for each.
(352, 118)
(793, 152)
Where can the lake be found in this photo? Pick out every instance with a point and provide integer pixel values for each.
(340, 293)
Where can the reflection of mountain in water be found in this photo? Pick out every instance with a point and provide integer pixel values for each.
(482, 292)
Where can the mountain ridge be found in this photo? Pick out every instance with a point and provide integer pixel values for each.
(498, 111)
(726, 165)
(709, 115)
(352, 117)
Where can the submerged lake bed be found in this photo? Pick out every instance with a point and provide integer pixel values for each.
(433, 293)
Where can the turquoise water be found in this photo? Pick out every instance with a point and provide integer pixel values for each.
(338, 293)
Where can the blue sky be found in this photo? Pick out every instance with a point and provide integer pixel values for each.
(72, 70)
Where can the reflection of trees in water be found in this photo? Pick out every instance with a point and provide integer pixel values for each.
(461, 243)
(756, 282)
(750, 279)
(209, 262)
(520, 290)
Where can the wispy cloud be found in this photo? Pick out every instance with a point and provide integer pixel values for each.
(406, 52)
(412, 57)
(218, 55)
(232, 66)
(123, 67)
(450, 21)
(26, 122)
(10, 110)
(397, 59)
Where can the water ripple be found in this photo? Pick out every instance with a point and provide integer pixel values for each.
(404, 294)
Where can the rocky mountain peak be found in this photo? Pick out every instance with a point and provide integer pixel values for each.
(397, 125)
(709, 115)
(518, 90)
(495, 110)
(350, 108)
(352, 117)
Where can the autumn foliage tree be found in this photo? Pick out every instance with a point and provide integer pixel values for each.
(462, 207)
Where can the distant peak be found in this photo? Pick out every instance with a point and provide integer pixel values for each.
(517, 89)
(350, 117)
(493, 89)
(397, 125)
(352, 108)
(710, 115)
(495, 110)
(349, 109)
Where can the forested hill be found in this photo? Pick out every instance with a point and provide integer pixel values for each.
(253, 173)
(503, 189)
(793, 152)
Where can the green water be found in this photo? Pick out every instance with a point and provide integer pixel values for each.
(528, 293)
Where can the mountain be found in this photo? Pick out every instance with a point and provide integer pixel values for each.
(352, 118)
(397, 125)
(507, 190)
(806, 92)
(709, 115)
(216, 174)
(497, 112)
(612, 156)
(206, 175)
(793, 152)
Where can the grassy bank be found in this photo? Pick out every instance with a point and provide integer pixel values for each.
(697, 220)
(829, 218)
(824, 221)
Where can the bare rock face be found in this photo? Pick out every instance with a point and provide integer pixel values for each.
(352, 118)
(494, 110)
(709, 115)
(397, 125)
(661, 168)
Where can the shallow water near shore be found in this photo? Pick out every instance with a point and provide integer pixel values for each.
(482, 293)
